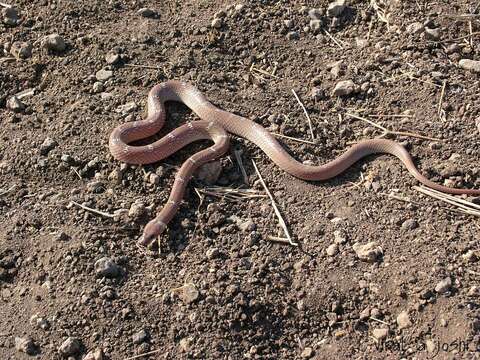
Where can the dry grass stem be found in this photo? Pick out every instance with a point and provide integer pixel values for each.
(294, 139)
(462, 205)
(333, 39)
(238, 157)
(279, 239)
(275, 208)
(144, 354)
(441, 112)
(5, 192)
(152, 67)
(230, 193)
(93, 211)
(391, 116)
(392, 132)
(306, 114)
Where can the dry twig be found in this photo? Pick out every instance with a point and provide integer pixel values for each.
(462, 205)
(238, 157)
(294, 139)
(392, 132)
(275, 208)
(306, 114)
(144, 354)
(145, 66)
(94, 211)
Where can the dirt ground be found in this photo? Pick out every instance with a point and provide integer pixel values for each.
(73, 282)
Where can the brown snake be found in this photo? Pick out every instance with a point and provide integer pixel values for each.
(215, 125)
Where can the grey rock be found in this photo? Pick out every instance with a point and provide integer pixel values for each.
(470, 65)
(112, 58)
(103, 75)
(15, 104)
(433, 34)
(55, 43)
(315, 14)
(48, 145)
(188, 293)
(344, 88)
(293, 35)
(147, 13)
(335, 9)
(21, 50)
(315, 26)
(70, 346)
(217, 23)
(10, 16)
(317, 94)
(403, 320)
(380, 333)
(140, 336)
(444, 285)
(25, 345)
(369, 252)
(98, 87)
(409, 224)
(212, 253)
(96, 354)
(415, 28)
(127, 108)
(307, 353)
(332, 250)
(137, 210)
(107, 267)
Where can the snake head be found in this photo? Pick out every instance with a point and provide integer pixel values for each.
(153, 229)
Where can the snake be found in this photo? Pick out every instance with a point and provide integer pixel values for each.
(216, 125)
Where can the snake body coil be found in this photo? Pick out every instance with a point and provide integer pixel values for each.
(215, 125)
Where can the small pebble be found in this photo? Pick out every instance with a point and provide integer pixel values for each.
(307, 353)
(212, 253)
(48, 145)
(380, 334)
(409, 224)
(140, 336)
(98, 87)
(14, 104)
(137, 210)
(25, 345)
(471, 65)
(55, 43)
(332, 250)
(70, 347)
(217, 23)
(147, 13)
(10, 16)
(315, 14)
(335, 9)
(293, 35)
(432, 34)
(188, 293)
(96, 354)
(444, 285)
(403, 320)
(415, 28)
(103, 75)
(344, 88)
(107, 267)
(369, 252)
(21, 50)
(112, 58)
